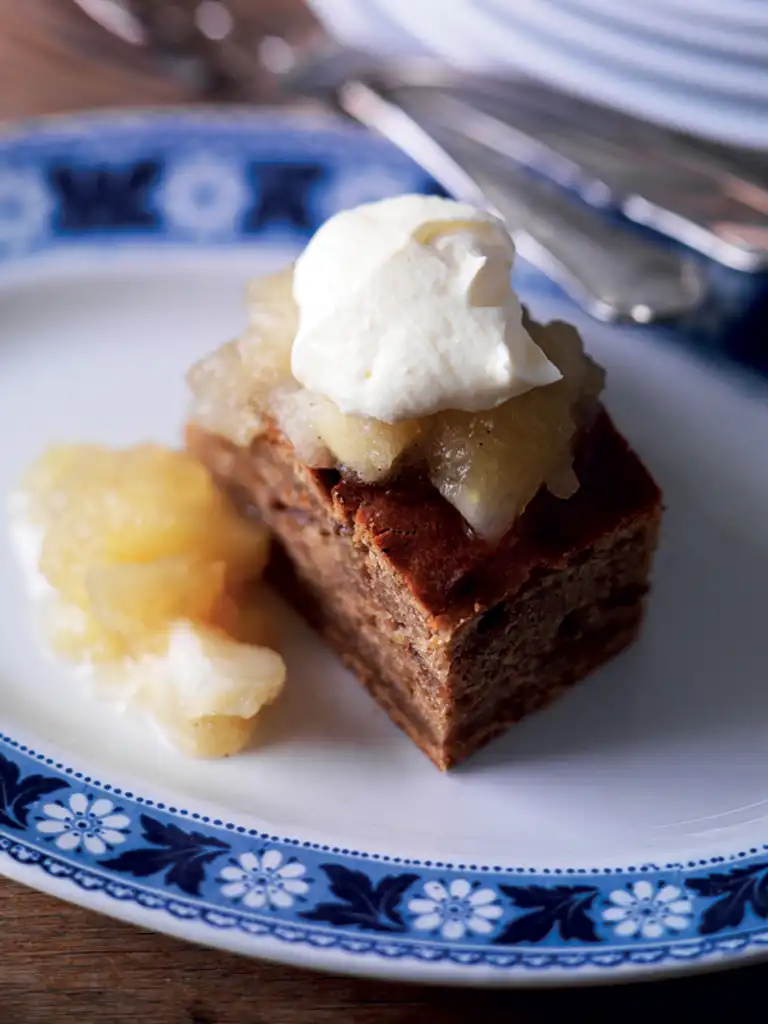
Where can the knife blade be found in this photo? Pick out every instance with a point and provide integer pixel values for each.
(612, 273)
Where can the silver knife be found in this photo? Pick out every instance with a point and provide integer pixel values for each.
(609, 271)
(651, 176)
(714, 199)
(711, 198)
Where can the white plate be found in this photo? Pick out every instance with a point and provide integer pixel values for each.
(608, 837)
(367, 25)
(722, 74)
(679, 28)
(750, 15)
(686, 90)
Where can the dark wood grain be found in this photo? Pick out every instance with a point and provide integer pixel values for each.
(60, 963)
(64, 964)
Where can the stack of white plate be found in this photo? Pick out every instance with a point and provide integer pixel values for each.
(696, 65)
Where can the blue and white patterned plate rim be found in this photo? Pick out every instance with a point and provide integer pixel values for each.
(74, 181)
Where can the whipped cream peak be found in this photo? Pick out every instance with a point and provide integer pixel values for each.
(406, 309)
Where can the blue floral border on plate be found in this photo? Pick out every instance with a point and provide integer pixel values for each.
(226, 876)
(223, 179)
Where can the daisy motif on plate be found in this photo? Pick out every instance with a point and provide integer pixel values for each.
(97, 826)
(264, 880)
(456, 909)
(204, 197)
(25, 209)
(646, 911)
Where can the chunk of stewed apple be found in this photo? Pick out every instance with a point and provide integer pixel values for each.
(205, 689)
(367, 448)
(137, 505)
(489, 465)
(322, 435)
(140, 601)
(150, 565)
(230, 387)
(584, 379)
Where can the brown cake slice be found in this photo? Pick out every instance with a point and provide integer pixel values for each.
(454, 638)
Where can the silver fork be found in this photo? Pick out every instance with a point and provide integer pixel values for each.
(613, 273)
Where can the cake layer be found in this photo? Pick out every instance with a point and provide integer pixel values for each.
(455, 639)
(448, 738)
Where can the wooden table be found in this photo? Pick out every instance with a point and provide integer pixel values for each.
(60, 963)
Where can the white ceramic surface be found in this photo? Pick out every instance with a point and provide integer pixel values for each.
(722, 74)
(750, 15)
(601, 839)
(619, 770)
(662, 79)
(660, 22)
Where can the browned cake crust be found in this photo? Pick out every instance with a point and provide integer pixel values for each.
(456, 640)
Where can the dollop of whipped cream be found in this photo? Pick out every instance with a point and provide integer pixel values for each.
(406, 309)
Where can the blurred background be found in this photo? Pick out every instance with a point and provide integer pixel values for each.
(696, 65)
(626, 144)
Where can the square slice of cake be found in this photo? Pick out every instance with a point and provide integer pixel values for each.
(455, 511)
